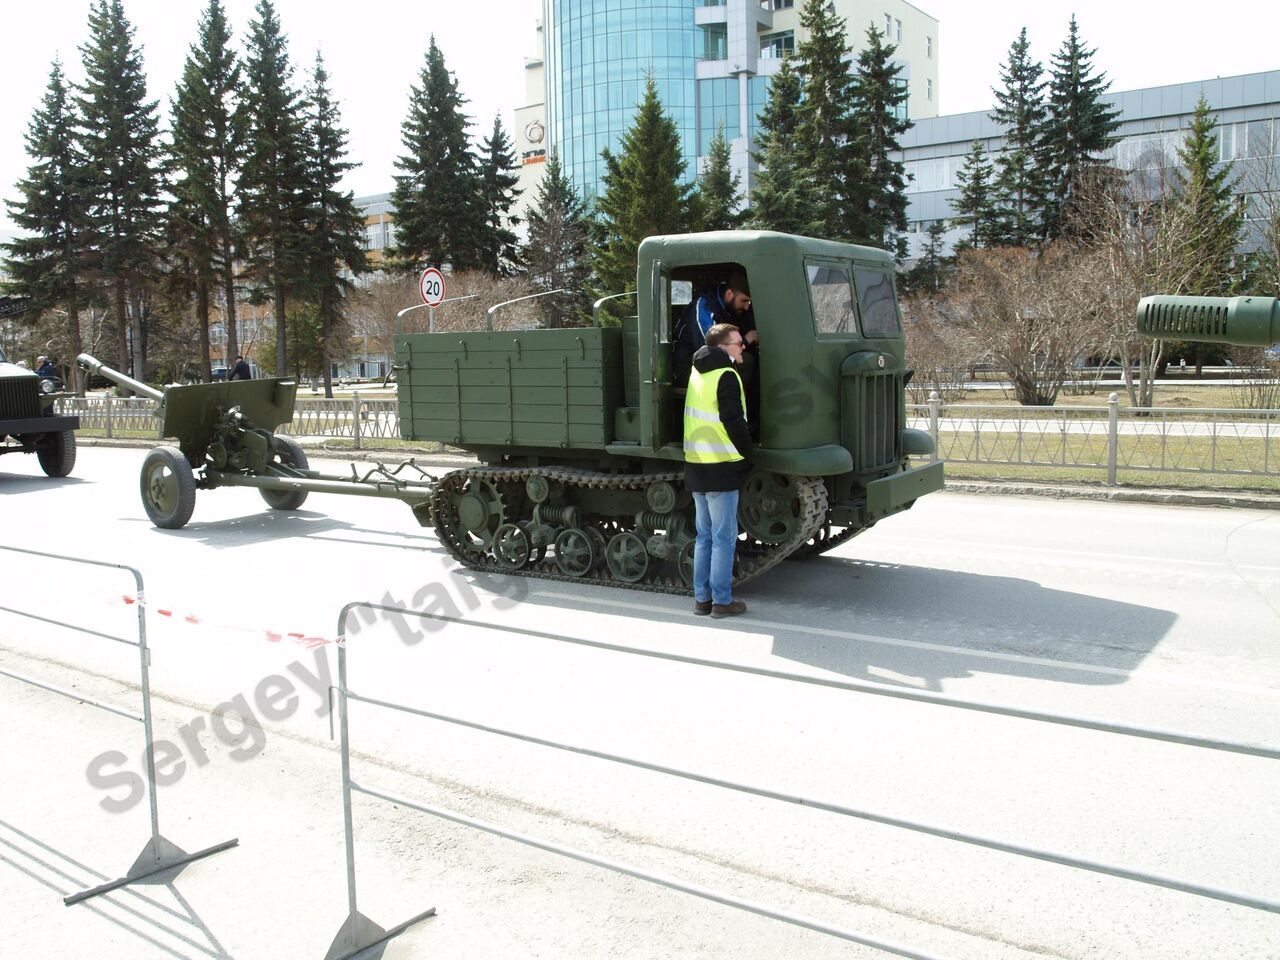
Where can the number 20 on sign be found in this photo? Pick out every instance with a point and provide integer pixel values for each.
(431, 285)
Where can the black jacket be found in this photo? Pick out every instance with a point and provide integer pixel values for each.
(713, 477)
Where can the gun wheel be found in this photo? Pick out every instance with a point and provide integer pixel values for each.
(290, 454)
(168, 488)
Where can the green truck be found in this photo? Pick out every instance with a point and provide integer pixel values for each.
(29, 423)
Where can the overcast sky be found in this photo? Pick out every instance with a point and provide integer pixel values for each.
(375, 50)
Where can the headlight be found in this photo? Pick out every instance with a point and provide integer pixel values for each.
(48, 386)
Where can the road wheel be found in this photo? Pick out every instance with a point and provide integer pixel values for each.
(576, 552)
(290, 454)
(627, 557)
(168, 488)
(57, 454)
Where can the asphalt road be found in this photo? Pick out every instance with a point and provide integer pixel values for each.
(1148, 615)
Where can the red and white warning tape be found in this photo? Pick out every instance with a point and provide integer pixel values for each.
(271, 636)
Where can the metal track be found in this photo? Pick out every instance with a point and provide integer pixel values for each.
(753, 557)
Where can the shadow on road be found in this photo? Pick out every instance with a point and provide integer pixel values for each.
(21, 483)
(915, 626)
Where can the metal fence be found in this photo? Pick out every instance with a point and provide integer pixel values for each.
(358, 934)
(1196, 440)
(1200, 440)
(159, 854)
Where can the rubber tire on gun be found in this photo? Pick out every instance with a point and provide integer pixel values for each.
(168, 488)
(291, 455)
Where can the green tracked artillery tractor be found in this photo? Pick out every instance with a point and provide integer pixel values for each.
(578, 430)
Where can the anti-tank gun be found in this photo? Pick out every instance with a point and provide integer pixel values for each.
(1241, 321)
(225, 435)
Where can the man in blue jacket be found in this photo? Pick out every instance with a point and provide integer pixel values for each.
(717, 450)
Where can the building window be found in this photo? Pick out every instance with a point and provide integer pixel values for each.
(897, 30)
(778, 46)
(888, 26)
(777, 4)
(928, 47)
(715, 42)
(929, 90)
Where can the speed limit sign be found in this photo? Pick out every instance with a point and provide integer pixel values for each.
(432, 287)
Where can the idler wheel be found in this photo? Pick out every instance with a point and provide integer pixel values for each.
(576, 552)
(480, 513)
(770, 509)
(627, 556)
(511, 546)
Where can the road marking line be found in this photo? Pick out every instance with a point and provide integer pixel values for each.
(777, 626)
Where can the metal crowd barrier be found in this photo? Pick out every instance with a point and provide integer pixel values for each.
(359, 933)
(158, 854)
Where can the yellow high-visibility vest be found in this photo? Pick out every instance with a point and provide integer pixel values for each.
(705, 438)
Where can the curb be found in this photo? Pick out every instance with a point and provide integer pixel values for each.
(1250, 500)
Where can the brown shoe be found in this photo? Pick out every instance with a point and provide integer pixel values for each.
(720, 610)
(702, 607)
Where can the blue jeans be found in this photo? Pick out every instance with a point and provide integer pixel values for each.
(717, 522)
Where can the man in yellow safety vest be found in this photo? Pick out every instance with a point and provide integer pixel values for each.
(717, 450)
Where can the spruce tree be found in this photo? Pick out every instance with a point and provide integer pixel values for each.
(931, 270)
(271, 198)
(976, 203)
(335, 225)
(122, 148)
(437, 198)
(824, 134)
(784, 196)
(50, 262)
(556, 253)
(642, 194)
(499, 245)
(718, 188)
(1212, 212)
(1079, 126)
(877, 203)
(207, 149)
(1020, 183)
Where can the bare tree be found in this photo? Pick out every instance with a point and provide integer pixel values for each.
(373, 311)
(940, 350)
(1148, 240)
(1033, 312)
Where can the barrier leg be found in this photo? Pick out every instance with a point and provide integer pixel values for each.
(157, 856)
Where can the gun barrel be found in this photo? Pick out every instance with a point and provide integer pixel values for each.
(1243, 321)
(96, 366)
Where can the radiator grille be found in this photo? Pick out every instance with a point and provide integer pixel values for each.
(19, 397)
(873, 432)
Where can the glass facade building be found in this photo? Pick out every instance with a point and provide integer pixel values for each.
(598, 55)
(711, 61)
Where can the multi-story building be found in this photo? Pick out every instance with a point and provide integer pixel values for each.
(710, 59)
(1153, 122)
